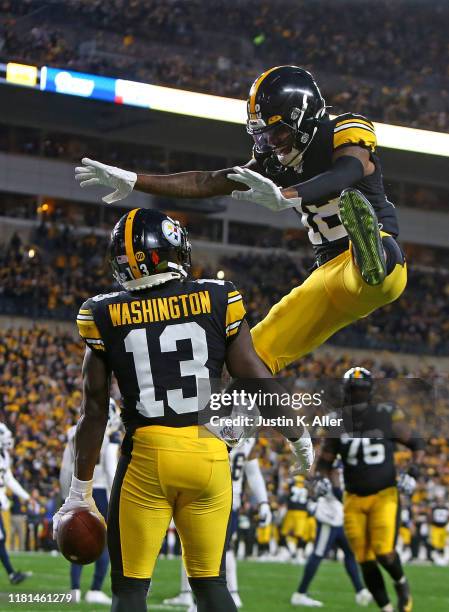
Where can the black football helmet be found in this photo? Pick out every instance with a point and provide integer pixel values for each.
(284, 107)
(357, 385)
(148, 248)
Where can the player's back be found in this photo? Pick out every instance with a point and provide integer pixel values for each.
(164, 345)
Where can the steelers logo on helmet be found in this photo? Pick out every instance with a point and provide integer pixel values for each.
(172, 232)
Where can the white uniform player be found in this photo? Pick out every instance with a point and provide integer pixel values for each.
(241, 465)
(103, 478)
(7, 481)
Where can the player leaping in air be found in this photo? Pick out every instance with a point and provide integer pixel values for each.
(328, 171)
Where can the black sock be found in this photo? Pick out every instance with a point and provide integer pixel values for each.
(375, 583)
(393, 253)
(4, 558)
(129, 593)
(212, 594)
(392, 564)
(283, 541)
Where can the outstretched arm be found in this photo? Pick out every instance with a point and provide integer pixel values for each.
(194, 184)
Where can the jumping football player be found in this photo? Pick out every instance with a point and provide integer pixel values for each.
(7, 480)
(371, 502)
(164, 337)
(329, 172)
(243, 463)
(103, 477)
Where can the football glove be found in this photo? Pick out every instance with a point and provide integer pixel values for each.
(304, 453)
(406, 484)
(80, 498)
(95, 173)
(264, 514)
(261, 190)
(323, 487)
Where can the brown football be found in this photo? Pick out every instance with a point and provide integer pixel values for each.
(81, 537)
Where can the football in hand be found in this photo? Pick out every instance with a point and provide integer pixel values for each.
(81, 537)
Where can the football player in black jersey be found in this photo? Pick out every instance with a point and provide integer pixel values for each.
(328, 171)
(164, 337)
(371, 501)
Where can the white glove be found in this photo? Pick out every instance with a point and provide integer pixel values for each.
(96, 173)
(265, 515)
(406, 484)
(261, 190)
(80, 498)
(304, 453)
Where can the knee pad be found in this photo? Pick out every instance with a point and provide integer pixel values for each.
(393, 252)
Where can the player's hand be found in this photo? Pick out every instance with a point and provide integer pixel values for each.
(261, 190)
(80, 498)
(95, 173)
(406, 484)
(304, 453)
(265, 516)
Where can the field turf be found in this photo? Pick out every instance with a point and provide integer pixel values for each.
(263, 586)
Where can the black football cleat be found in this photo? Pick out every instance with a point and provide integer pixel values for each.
(17, 577)
(405, 602)
(360, 221)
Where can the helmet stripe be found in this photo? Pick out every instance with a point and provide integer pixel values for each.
(255, 87)
(135, 271)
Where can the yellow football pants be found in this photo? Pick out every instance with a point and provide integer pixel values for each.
(171, 473)
(332, 297)
(406, 535)
(371, 523)
(295, 524)
(6, 517)
(438, 537)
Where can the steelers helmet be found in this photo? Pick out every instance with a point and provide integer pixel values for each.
(284, 107)
(357, 384)
(6, 439)
(148, 248)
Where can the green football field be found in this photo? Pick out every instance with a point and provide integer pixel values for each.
(263, 586)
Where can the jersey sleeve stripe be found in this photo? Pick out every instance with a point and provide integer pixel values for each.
(88, 329)
(355, 135)
(81, 317)
(234, 299)
(354, 125)
(355, 120)
(232, 293)
(85, 311)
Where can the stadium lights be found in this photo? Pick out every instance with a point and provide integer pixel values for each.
(193, 104)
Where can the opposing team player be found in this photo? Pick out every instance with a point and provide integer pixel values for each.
(302, 160)
(7, 480)
(165, 338)
(103, 477)
(243, 464)
(371, 503)
(329, 534)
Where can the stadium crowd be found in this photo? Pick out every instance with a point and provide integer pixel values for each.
(220, 48)
(40, 383)
(58, 269)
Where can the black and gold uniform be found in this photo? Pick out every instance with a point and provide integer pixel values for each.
(295, 521)
(438, 526)
(164, 342)
(371, 500)
(284, 104)
(405, 530)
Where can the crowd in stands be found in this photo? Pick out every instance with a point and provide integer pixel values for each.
(58, 269)
(40, 394)
(386, 62)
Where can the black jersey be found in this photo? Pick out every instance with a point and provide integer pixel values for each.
(440, 515)
(297, 495)
(321, 218)
(164, 345)
(367, 448)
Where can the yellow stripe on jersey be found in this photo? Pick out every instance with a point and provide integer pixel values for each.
(129, 244)
(255, 88)
(235, 313)
(355, 133)
(356, 120)
(88, 330)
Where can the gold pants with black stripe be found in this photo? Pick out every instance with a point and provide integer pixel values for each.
(331, 298)
(371, 523)
(438, 537)
(171, 473)
(295, 524)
